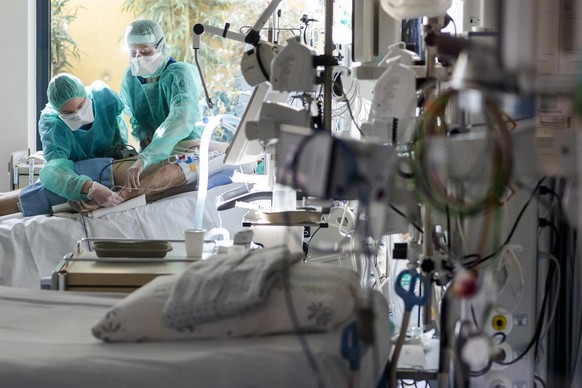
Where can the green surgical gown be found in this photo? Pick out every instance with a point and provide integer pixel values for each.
(167, 110)
(62, 147)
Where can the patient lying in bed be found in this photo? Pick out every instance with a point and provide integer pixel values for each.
(167, 178)
(159, 181)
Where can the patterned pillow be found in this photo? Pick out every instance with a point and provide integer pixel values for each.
(323, 297)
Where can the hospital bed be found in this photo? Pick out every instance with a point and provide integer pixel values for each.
(31, 247)
(46, 341)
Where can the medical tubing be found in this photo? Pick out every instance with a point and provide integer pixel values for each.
(203, 170)
(215, 232)
(366, 270)
(428, 184)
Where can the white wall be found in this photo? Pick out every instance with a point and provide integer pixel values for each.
(18, 85)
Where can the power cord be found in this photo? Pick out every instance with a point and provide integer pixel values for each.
(477, 259)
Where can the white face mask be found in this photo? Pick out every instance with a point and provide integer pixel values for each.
(81, 117)
(143, 66)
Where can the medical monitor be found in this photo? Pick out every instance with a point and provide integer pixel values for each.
(242, 150)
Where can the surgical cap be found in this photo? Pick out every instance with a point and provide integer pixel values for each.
(62, 88)
(143, 32)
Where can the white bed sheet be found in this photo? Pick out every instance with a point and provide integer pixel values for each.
(31, 247)
(46, 342)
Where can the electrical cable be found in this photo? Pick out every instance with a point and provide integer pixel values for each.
(452, 21)
(545, 223)
(542, 382)
(313, 235)
(348, 99)
(500, 334)
(354, 119)
(400, 213)
(85, 230)
(509, 251)
(295, 321)
(558, 284)
(483, 371)
(478, 260)
(535, 338)
(100, 178)
(474, 317)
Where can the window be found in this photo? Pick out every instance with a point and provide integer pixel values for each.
(87, 38)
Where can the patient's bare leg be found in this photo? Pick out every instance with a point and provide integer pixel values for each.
(9, 203)
(155, 180)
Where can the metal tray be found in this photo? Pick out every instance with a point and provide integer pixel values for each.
(291, 217)
(141, 249)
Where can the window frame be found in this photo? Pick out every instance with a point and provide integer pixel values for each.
(43, 61)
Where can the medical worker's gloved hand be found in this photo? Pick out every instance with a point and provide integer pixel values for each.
(103, 196)
(133, 174)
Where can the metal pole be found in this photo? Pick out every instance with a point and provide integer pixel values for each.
(328, 79)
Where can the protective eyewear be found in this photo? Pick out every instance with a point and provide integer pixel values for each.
(145, 51)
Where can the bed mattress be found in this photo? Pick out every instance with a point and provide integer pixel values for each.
(31, 247)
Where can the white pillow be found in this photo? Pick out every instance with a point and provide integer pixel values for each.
(323, 297)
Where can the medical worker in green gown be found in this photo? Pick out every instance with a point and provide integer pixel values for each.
(161, 96)
(80, 129)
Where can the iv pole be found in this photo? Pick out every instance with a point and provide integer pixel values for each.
(328, 71)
